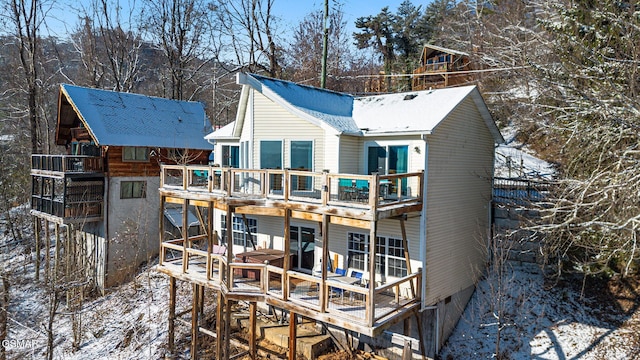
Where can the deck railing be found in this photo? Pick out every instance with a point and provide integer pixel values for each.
(350, 301)
(321, 188)
(67, 163)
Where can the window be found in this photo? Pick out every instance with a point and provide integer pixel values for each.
(396, 262)
(391, 159)
(130, 153)
(240, 236)
(357, 251)
(133, 189)
(231, 156)
(390, 260)
(271, 154)
(302, 159)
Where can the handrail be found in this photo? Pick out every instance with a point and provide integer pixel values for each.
(368, 192)
(318, 302)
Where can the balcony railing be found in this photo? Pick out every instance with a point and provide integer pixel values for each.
(354, 303)
(68, 200)
(326, 189)
(67, 164)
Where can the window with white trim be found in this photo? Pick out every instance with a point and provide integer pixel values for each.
(240, 235)
(357, 251)
(390, 260)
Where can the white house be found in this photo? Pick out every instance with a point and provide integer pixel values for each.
(395, 185)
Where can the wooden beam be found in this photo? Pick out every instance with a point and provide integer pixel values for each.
(371, 315)
(219, 324)
(172, 313)
(362, 224)
(286, 264)
(36, 230)
(252, 330)
(194, 321)
(407, 257)
(306, 216)
(185, 235)
(259, 210)
(324, 261)
(293, 334)
(47, 246)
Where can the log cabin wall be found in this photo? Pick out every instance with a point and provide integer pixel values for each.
(116, 166)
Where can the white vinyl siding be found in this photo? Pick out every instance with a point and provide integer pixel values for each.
(273, 122)
(459, 193)
(350, 164)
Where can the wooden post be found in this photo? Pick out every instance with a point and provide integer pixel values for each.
(172, 313)
(194, 321)
(56, 259)
(161, 223)
(293, 327)
(287, 255)
(230, 210)
(47, 246)
(185, 235)
(227, 329)
(210, 237)
(37, 226)
(371, 306)
(201, 301)
(325, 260)
(252, 330)
(219, 324)
(407, 257)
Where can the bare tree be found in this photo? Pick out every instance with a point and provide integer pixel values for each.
(108, 46)
(25, 18)
(180, 30)
(249, 28)
(304, 55)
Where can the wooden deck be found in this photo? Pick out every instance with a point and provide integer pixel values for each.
(341, 304)
(364, 197)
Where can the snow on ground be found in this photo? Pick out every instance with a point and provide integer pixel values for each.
(543, 322)
(513, 159)
(130, 322)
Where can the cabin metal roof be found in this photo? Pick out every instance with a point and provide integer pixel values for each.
(126, 119)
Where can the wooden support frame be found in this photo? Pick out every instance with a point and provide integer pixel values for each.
(293, 335)
(172, 314)
(252, 330)
(195, 307)
(36, 230)
(219, 323)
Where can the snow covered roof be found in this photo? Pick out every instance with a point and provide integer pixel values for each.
(417, 112)
(320, 106)
(444, 50)
(126, 119)
(225, 132)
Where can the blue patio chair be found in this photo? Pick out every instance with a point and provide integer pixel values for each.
(341, 272)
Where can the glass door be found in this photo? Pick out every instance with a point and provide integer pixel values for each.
(302, 247)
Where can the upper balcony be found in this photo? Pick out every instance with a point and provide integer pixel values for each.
(66, 165)
(67, 189)
(364, 197)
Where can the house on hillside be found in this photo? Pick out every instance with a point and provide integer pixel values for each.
(103, 190)
(392, 193)
(440, 68)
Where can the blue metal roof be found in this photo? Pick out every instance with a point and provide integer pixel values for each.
(126, 119)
